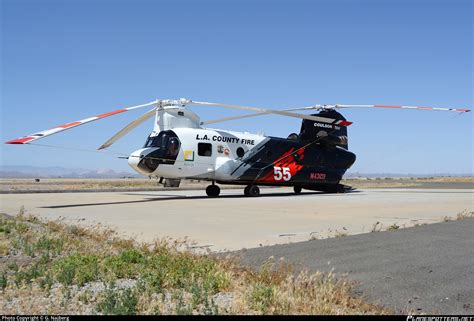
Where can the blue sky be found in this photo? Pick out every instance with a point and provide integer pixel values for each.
(67, 60)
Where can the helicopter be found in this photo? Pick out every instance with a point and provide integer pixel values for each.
(182, 147)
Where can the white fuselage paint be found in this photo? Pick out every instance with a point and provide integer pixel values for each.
(217, 166)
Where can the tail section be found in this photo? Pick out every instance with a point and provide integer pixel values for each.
(312, 130)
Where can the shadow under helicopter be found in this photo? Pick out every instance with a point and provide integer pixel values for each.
(168, 197)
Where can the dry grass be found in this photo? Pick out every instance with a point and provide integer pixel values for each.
(54, 268)
(377, 227)
(464, 214)
(74, 184)
(460, 216)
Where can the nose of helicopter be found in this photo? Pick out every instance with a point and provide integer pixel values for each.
(134, 159)
(142, 161)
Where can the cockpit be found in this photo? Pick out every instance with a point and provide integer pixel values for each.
(166, 148)
(166, 140)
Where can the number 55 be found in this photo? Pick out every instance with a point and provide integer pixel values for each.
(281, 173)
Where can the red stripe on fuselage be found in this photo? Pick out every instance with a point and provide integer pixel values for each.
(287, 160)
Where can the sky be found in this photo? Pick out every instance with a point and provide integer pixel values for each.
(67, 60)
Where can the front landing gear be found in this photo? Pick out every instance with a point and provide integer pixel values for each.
(252, 191)
(213, 190)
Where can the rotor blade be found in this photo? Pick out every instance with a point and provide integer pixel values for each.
(319, 107)
(219, 120)
(330, 121)
(60, 128)
(459, 110)
(327, 107)
(124, 131)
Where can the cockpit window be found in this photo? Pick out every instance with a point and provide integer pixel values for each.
(152, 142)
(166, 141)
(161, 140)
(173, 147)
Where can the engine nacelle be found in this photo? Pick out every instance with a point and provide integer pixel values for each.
(311, 130)
(330, 139)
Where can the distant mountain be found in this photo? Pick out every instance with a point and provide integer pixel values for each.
(56, 172)
(59, 172)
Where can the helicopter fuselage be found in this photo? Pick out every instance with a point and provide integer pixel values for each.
(229, 157)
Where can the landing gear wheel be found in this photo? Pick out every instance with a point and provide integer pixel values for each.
(297, 189)
(252, 191)
(213, 191)
(246, 190)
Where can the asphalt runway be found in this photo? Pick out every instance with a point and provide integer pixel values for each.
(233, 222)
(424, 269)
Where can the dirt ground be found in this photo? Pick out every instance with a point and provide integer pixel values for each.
(82, 184)
(139, 184)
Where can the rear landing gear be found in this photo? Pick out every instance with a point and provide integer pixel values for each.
(213, 191)
(297, 189)
(252, 191)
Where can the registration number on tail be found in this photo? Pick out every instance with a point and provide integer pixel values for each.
(317, 176)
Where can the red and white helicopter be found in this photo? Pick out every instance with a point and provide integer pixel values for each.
(179, 147)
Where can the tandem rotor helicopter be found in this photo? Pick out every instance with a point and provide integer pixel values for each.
(179, 147)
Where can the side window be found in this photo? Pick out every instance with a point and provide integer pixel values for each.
(240, 152)
(173, 147)
(204, 149)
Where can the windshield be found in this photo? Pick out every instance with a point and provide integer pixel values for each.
(155, 141)
(167, 141)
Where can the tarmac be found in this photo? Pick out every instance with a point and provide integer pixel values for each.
(233, 222)
(424, 269)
